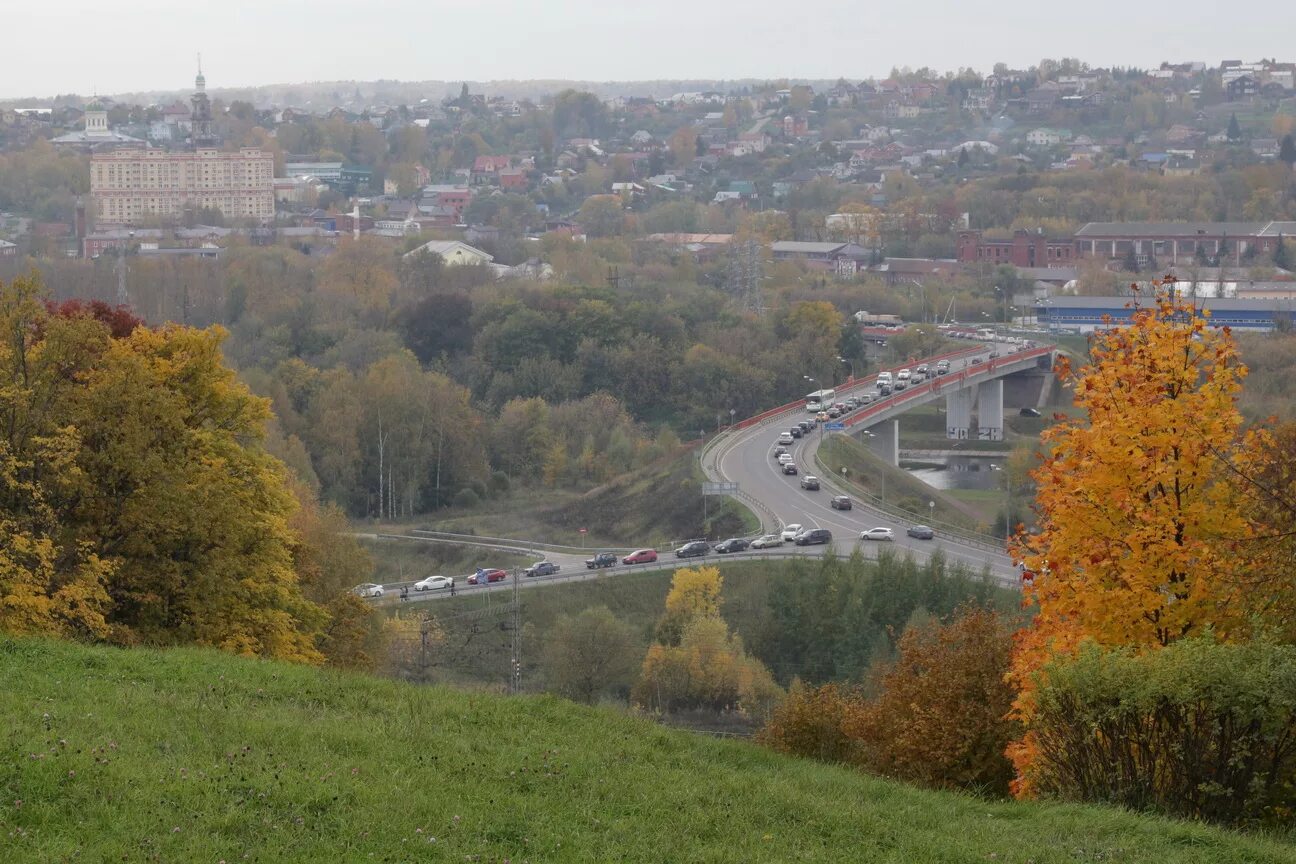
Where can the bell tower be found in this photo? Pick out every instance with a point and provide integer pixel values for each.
(202, 134)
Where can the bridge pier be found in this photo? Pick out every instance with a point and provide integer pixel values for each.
(990, 420)
(884, 440)
(958, 413)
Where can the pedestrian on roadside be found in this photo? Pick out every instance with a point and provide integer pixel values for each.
(404, 593)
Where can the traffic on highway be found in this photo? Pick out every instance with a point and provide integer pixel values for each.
(773, 462)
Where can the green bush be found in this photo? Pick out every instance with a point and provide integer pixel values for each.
(499, 483)
(466, 498)
(1197, 729)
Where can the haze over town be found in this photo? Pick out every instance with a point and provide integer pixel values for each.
(277, 41)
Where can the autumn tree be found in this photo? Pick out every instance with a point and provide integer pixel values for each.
(1142, 525)
(697, 663)
(941, 717)
(590, 654)
(141, 504)
(329, 561)
(361, 275)
(694, 593)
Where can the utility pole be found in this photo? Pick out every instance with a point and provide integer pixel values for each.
(515, 667)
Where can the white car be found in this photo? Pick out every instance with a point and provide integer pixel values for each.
(434, 583)
(784, 458)
(877, 534)
(903, 375)
(790, 531)
(767, 541)
(368, 589)
(865, 398)
(785, 438)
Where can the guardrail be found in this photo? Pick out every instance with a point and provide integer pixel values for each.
(778, 553)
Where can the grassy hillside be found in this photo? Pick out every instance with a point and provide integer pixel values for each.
(652, 506)
(189, 756)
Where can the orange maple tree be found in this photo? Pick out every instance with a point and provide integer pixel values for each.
(1143, 531)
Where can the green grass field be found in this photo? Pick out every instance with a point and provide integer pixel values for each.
(193, 756)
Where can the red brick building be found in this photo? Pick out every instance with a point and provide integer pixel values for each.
(1025, 249)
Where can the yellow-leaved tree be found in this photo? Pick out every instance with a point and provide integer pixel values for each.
(137, 502)
(697, 663)
(1143, 532)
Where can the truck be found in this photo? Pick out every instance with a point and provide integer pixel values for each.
(866, 319)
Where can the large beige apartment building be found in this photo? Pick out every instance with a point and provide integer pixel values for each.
(131, 183)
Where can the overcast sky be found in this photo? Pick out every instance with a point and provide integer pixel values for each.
(64, 46)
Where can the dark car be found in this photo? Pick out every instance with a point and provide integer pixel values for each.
(884, 389)
(814, 537)
(922, 532)
(810, 482)
(733, 544)
(790, 468)
(779, 451)
(541, 568)
(976, 360)
(806, 426)
(834, 412)
(602, 559)
(1029, 412)
(796, 431)
(693, 549)
(841, 502)
(900, 384)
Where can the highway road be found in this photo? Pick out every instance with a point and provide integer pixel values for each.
(747, 459)
(571, 562)
(746, 456)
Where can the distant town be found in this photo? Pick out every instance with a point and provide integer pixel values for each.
(1064, 173)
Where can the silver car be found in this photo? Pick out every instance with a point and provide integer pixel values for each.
(767, 541)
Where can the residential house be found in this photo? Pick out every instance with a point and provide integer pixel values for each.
(1043, 137)
(513, 179)
(485, 169)
(1242, 87)
(796, 126)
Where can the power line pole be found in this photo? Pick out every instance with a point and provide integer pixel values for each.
(515, 668)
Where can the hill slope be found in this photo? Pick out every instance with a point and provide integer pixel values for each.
(191, 756)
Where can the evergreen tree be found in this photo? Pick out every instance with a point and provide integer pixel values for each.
(1234, 130)
(1280, 258)
(1131, 261)
(963, 157)
(1287, 149)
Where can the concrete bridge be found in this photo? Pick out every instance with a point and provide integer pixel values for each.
(974, 394)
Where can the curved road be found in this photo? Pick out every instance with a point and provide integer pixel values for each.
(747, 459)
(745, 456)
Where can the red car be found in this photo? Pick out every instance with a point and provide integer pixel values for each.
(640, 556)
(485, 576)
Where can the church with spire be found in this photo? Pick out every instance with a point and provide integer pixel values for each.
(130, 184)
(202, 131)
